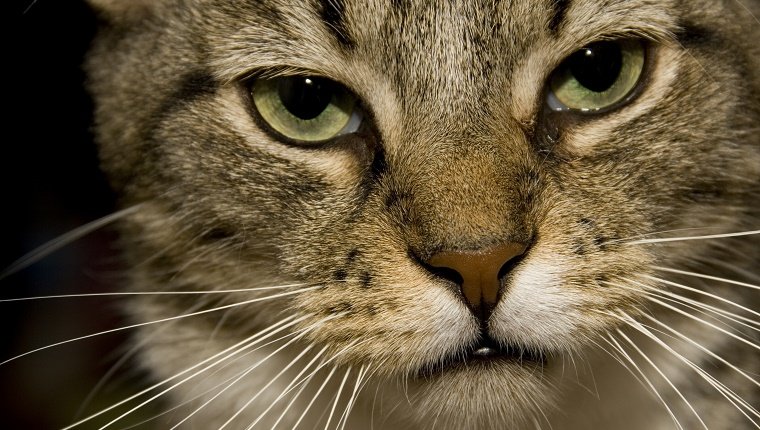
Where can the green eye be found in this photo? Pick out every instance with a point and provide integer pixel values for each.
(597, 76)
(306, 108)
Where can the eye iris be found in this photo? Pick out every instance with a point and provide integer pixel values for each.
(598, 76)
(597, 66)
(305, 97)
(305, 108)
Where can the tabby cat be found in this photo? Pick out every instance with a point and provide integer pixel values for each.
(457, 214)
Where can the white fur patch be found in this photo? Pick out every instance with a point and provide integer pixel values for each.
(536, 310)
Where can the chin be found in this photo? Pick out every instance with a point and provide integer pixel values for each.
(479, 394)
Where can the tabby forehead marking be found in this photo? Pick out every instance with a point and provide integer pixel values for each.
(559, 10)
(332, 12)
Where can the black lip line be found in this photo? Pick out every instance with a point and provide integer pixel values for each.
(485, 353)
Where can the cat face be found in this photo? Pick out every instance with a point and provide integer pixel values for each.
(457, 193)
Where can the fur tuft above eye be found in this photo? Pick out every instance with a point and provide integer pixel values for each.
(596, 77)
(305, 109)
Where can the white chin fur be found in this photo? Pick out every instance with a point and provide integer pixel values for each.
(477, 397)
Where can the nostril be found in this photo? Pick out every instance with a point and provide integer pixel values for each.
(507, 267)
(446, 273)
(478, 272)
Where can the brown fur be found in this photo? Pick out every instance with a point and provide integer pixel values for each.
(455, 156)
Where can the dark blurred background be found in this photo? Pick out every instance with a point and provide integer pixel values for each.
(50, 185)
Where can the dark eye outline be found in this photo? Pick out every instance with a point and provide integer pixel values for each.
(553, 105)
(358, 121)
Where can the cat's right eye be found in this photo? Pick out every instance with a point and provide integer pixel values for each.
(306, 109)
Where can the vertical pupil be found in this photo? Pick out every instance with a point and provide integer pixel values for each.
(305, 97)
(597, 66)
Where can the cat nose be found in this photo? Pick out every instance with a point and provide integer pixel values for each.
(478, 273)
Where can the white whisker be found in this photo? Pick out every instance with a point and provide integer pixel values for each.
(302, 333)
(657, 369)
(692, 304)
(703, 349)
(704, 293)
(746, 9)
(292, 385)
(267, 385)
(727, 393)
(344, 418)
(337, 397)
(236, 348)
(28, 8)
(124, 358)
(320, 367)
(314, 398)
(707, 323)
(374, 404)
(293, 400)
(703, 276)
(653, 298)
(684, 238)
(227, 380)
(618, 359)
(303, 384)
(705, 309)
(620, 349)
(653, 233)
(150, 293)
(166, 390)
(59, 242)
(218, 326)
(259, 299)
(298, 335)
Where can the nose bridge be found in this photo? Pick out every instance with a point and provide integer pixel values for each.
(466, 208)
(472, 197)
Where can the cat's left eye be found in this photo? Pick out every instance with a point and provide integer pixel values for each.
(599, 76)
(306, 109)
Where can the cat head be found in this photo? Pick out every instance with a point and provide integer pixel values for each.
(460, 190)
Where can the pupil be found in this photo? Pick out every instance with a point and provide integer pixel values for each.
(597, 66)
(305, 97)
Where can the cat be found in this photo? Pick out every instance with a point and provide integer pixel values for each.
(451, 215)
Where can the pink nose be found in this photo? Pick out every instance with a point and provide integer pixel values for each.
(479, 271)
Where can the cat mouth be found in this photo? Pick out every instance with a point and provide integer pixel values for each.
(486, 353)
